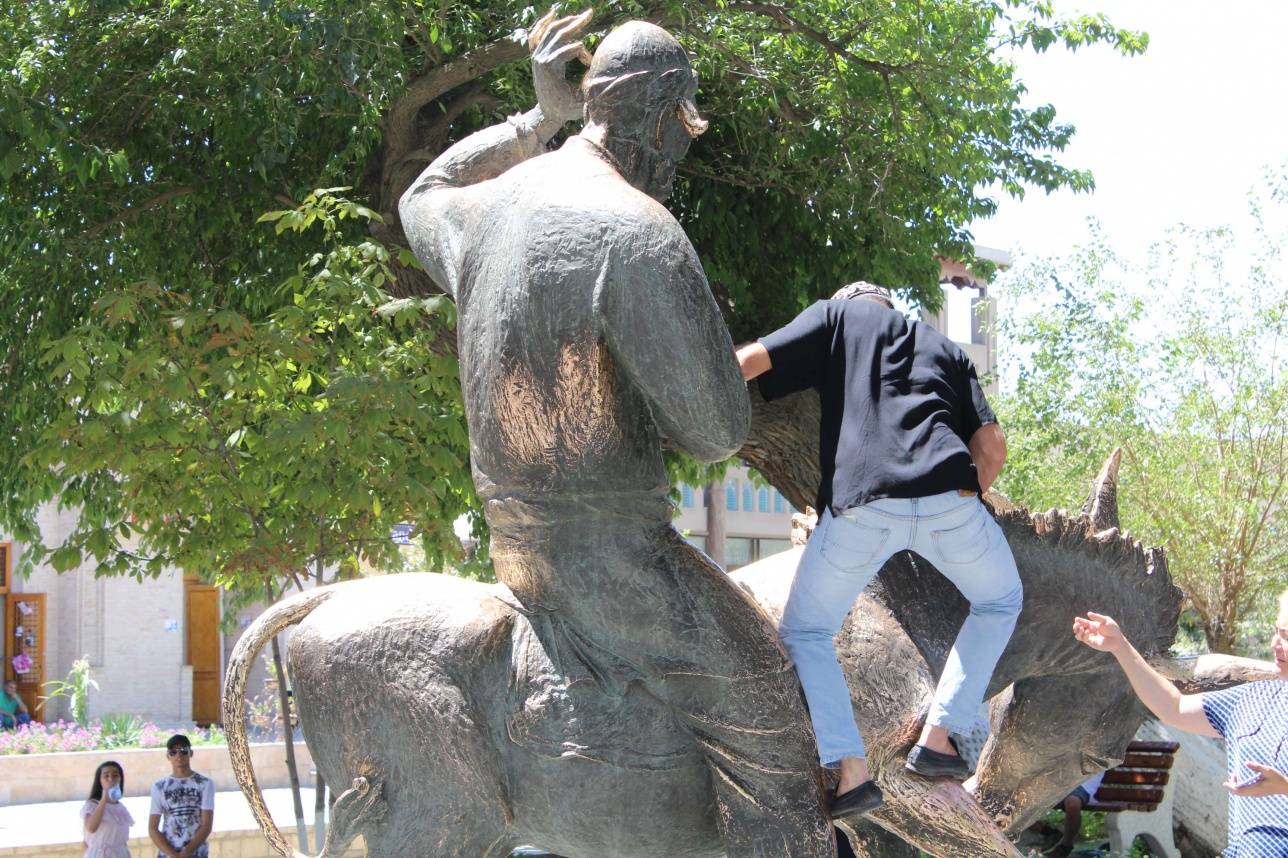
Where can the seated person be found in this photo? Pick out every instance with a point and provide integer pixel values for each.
(1073, 804)
(13, 711)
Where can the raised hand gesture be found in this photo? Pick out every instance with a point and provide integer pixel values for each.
(554, 42)
(1099, 632)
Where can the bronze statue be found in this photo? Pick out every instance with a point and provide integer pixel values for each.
(437, 700)
(587, 333)
(617, 695)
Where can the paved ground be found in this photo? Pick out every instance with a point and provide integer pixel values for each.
(59, 822)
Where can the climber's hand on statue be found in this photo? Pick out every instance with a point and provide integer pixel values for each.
(1265, 781)
(1099, 632)
(555, 42)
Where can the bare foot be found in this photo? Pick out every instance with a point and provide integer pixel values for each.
(854, 773)
(936, 739)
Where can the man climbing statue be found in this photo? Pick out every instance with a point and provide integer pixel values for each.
(907, 442)
(587, 332)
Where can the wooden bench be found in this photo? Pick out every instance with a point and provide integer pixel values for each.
(1136, 793)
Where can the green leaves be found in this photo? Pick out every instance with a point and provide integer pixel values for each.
(252, 448)
(1192, 383)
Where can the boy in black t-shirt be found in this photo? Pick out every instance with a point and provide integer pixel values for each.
(907, 443)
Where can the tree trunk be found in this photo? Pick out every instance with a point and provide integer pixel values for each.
(713, 497)
(284, 697)
(783, 444)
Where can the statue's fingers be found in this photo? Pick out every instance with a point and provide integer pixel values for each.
(565, 54)
(568, 29)
(537, 34)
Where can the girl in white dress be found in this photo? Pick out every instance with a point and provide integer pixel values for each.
(107, 822)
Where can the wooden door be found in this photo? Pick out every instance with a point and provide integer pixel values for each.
(25, 635)
(204, 651)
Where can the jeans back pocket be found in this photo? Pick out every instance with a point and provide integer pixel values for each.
(849, 542)
(965, 543)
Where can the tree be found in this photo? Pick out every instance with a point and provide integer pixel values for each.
(1194, 387)
(140, 140)
(260, 453)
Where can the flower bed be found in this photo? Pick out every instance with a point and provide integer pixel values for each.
(98, 735)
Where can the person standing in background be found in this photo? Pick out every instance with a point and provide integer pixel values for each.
(183, 806)
(107, 822)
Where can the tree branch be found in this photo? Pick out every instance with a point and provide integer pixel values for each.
(791, 24)
(400, 122)
(134, 211)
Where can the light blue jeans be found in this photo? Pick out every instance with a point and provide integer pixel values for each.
(955, 533)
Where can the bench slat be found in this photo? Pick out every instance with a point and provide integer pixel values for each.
(1124, 776)
(1120, 806)
(1147, 761)
(1154, 747)
(1141, 794)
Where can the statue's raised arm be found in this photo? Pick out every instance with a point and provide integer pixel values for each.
(431, 212)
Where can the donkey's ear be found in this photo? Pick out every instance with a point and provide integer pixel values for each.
(1101, 508)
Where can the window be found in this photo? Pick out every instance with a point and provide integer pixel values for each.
(748, 497)
(769, 547)
(686, 495)
(778, 501)
(738, 552)
(731, 495)
(763, 500)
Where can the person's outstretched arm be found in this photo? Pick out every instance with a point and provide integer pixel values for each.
(1182, 711)
(427, 209)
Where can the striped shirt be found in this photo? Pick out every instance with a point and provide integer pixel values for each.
(1253, 720)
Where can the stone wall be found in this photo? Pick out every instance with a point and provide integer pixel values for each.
(31, 778)
(124, 626)
(223, 844)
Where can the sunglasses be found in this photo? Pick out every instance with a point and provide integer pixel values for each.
(174, 752)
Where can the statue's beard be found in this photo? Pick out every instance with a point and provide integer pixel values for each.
(648, 169)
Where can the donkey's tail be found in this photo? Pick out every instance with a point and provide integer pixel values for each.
(358, 803)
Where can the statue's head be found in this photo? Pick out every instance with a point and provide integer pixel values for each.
(639, 100)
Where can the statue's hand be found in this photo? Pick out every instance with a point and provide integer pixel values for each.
(554, 43)
(1099, 632)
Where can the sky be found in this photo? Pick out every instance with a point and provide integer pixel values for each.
(1178, 134)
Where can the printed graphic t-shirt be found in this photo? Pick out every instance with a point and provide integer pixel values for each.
(179, 802)
(1253, 720)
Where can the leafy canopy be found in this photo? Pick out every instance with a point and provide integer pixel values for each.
(260, 451)
(1192, 383)
(141, 139)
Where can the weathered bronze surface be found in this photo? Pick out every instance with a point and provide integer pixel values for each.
(441, 693)
(587, 333)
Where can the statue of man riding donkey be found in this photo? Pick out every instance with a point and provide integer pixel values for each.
(617, 694)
